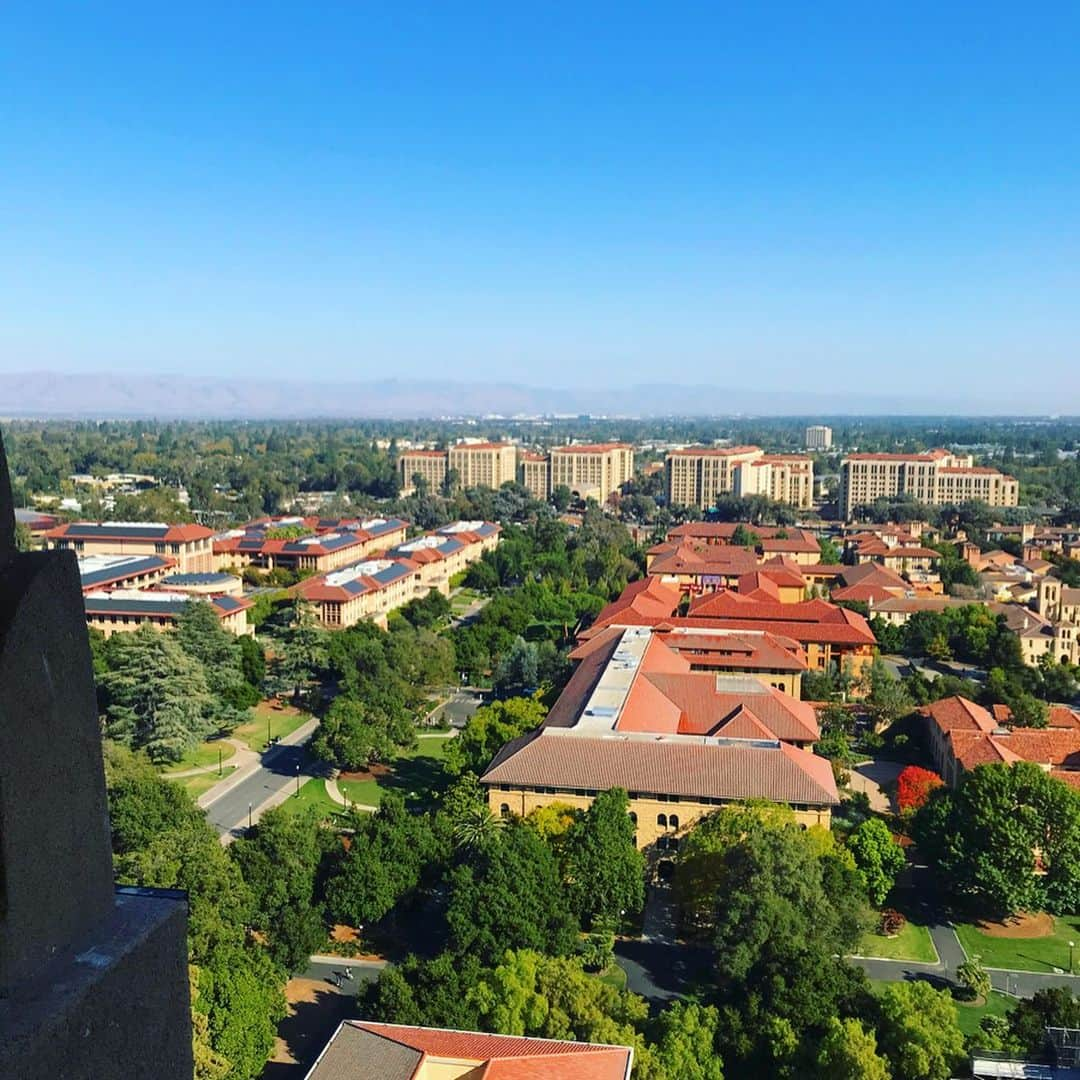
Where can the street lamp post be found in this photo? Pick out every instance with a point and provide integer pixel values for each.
(1072, 945)
(297, 795)
(249, 815)
(219, 761)
(267, 731)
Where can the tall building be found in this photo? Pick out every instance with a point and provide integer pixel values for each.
(190, 545)
(818, 437)
(594, 471)
(935, 477)
(534, 473)
(93, 978)
(430, 465)
(483, 464)
(698, 474)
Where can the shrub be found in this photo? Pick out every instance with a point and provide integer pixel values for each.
(913, 787)
(892, 922)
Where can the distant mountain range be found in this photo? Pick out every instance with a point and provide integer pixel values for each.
(115, 396)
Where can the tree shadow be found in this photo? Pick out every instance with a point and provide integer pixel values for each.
(307, 1029)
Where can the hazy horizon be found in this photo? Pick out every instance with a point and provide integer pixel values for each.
(781, 200)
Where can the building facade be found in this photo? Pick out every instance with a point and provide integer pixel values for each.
(483, 464)
(594, 471)
(698, 474)
(934, 478)
(191, 546)
(429, 465)
(818, 437)
(124, 610)
(534, 474)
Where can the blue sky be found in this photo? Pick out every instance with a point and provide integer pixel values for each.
(566, 194)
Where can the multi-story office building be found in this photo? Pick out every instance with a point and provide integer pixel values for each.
(935, 477)
(818, 437)
(534, 473)
(594, 471)
(430, 465)
(189, 545)
(698, 474)
(483, 464)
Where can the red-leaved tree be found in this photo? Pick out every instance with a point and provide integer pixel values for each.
(913, 787)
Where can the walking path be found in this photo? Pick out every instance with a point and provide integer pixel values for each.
(950, 956)
(334, 792)
(243, 755)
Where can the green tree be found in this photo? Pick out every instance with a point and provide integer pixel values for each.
(888, 699)
(302, 651)
(281, 861)
(830, 553)
(350, 737)
(156, 696)
(1030, 1017)
(878, 856)
(488, 729)
(509, 895)
(918, 1032)
(518, 672)
(684, 1045)
(982, 837)
(388, 854)
(605, 870)
(973, 977)
(848, 1051)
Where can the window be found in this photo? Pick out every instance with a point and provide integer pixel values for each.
(673, 821)
(661, 820)
(633, 818)
(504, 810)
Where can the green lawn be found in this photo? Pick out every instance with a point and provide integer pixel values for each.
(197, 785)
(415, 773)
(282, 722)
(613, 975)
(1024, 954)
(462, 599)
(912, 943)
(202, 756)
(970, 1015)
(312, 793)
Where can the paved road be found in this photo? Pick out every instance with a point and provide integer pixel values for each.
(271, 782)
(460, 707)
(323, 969)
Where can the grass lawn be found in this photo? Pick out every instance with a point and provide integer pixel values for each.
(202, 756)
(418, 771)
(912, 943)
(283, 721)
(197, 785)
(970, 1015)
(462, 599)
(312, 793)
(1024, 954)
(613, 975)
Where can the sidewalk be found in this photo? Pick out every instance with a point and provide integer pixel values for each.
(254, 764)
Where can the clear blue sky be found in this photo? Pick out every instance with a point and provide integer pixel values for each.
(806, 193)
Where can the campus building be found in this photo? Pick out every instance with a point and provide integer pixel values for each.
(189, 545)
(124, 610)
(364, 1050)
(933, 478)
(594, 471)
(429, 465)
(373, 587)
(818, 437)
(299, 543)
(682, 742)
(483, 464)
(696, 475)
(534, 474)
(770, 542)
(962, 735)
(123, 571)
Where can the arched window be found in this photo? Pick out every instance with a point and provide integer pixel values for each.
(661, 820)
(633, 818)
(504, 810)
(673, 821)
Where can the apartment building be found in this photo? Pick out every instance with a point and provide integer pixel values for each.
(818, 437)
(534, 474)
(191, 546)
(698, 474)
(682, 742)
(594, 471)
(363, 1050)
(124, 610)
(786, 478)
(429, 465)
(368, 590)
(123, 571)
(483, 464)
(934, 478)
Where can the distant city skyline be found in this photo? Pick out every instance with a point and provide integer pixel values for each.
(784, 199)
